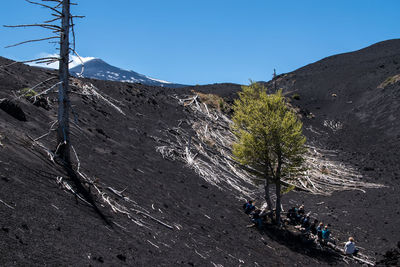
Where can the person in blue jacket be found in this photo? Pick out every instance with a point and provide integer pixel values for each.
(326, 234)
(249, 207)
(319, 231)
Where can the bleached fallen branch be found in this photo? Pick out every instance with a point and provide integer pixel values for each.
(116, 207)
(8, 206)
(46, 134)
(82, 63)
(89, 89)
(35, 96)
(50, 153)
(214, 162)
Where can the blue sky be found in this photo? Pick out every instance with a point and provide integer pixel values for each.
(204, 41)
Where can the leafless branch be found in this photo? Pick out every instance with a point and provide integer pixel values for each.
(46, 26)
(45, 91)
(82, 63)
(8, 206)
(46, 134)
(31, 41)
(29, 61)
(43, 5)
(215, 164)
(52, 20)
(73, 32)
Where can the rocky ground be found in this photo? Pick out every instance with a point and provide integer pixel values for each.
(192, 222)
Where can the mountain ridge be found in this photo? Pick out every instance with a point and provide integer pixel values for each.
(99, 69)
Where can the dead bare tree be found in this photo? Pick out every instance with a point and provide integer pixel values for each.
(60, 11)
(63, 72)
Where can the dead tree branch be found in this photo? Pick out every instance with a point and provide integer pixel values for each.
(46, 26)
(8, 206)
(31, 41)
(46, 6)
(213, 159)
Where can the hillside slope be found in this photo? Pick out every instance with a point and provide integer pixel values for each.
(347, 104)
(351, 105)
(42, 222)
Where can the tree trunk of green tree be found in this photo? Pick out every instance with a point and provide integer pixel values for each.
(278, 202)
(267, 194)
(278, 190)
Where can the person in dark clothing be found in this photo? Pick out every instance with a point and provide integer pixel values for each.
(257, 218)
(299, 214)
(313, 227)
(291, 215)
(319, 231)
(305, 225)
(249, 207)
(301, 211)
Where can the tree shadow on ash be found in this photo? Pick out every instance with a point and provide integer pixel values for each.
(300, 243)
(79, 188)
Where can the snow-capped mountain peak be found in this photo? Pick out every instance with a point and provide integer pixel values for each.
(98, 69)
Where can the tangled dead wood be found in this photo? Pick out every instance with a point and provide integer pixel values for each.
(129, 207)
(210, 155)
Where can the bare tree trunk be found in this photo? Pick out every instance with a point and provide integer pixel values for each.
(267, 194)
(278, 201)
(63, 99)
(278, 191)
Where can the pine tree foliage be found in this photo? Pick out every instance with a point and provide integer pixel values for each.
(270, 138)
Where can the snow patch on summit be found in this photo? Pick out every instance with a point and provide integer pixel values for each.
(98, 69)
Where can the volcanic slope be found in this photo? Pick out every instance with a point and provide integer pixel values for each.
(41, 222)
(115, 136)
(350, 105)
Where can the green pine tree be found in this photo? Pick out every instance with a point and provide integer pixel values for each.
(270, 139)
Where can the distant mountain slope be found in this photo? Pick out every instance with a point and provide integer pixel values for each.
(98, 69)
(358, 89)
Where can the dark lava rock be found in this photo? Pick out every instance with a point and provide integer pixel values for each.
(391, 257)
(12, 109)
(121, 257)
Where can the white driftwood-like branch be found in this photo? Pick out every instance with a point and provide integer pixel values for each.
(54, 123)
(35, 96)
(7, 205)
(89, 89)
(114, 205)
(82, 63)
(214, 162)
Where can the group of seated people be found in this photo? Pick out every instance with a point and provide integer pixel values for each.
(302, 221)
(258, 216)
